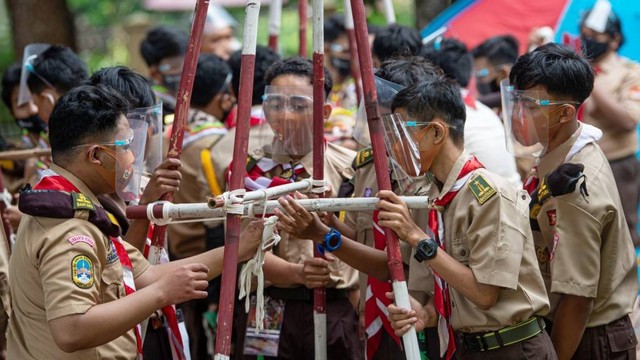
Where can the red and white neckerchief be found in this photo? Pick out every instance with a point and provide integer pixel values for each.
(375, 312)
(469, 99)
(442, 297)
(53, 181)
(256, 179)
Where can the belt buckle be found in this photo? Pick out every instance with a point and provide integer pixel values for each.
(472, 342)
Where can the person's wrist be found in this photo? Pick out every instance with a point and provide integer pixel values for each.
(323, 231)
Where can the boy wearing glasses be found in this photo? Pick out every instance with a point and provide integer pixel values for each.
(476, 255)
(582, 240)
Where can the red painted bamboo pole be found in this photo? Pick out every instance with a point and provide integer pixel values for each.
(183, 99)
(275, 15)
(319, 294)
(232, 234)
(302, 34)
(381, 162)
(353, 49)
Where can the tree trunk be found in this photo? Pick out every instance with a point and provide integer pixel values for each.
(35, 21)
(427, 10)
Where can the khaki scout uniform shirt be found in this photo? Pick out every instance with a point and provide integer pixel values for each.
(490, 234)
(337, 167)
(584, 247)
(187, 239)
(620, 78)
(43, 287)
(366, 185)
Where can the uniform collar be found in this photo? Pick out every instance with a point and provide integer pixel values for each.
(555, 158)
(84, 189)
(608, 63)
(453, 174)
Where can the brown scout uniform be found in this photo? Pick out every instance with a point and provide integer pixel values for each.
(490, 234)
(620, 78)
(296, 337)
(187, 239)
(43, 287)
(584, 247)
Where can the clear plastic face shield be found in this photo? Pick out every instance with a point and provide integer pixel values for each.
(289, 113)
(31, 53)
(129, 157)
(402, 139)
(526, 115)
(153, 147)
(386, 91)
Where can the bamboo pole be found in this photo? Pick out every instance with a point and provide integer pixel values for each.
(24, 154)
(381, 162)
(353, 48)
(275, 16)
(232, 233)
(319, 294)
(302, 33)
(389, 12)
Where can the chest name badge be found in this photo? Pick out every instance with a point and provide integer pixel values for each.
(82, 271)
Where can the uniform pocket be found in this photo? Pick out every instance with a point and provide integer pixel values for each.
(460, 249)
(112, 287)
(621, 335)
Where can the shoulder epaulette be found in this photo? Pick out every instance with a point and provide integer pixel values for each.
(363, 157)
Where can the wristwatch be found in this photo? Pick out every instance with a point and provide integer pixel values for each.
(426, 250)
(331, 242)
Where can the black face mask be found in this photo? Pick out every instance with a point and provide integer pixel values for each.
(171, 82)
(33, 124)
(593, 49)
(343, 66)
(488, 87)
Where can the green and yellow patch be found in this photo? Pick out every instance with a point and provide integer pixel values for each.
(481, 189)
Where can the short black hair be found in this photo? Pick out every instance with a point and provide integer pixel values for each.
(498, 50)
(265, 57)
(10, 79)
(562, 71)
(453, 57)
(210, 79)
(613, 26)
(439, 97)
(133, 86)
(87, 111)
(300, 67)
(396, 40)
(60, 67)
(163, 42)
(333, 27)
(408, 70)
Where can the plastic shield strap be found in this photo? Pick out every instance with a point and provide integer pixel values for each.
(153, 148)
(386, 91)
(31, 53)
(404, 155)
(289, 113)
(526, 121)
(130, 160)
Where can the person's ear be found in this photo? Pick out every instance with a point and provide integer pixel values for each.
(94, 156)
(502, 72)
(155, 75)
(567, 113)
(614, 44)
(327, 111)
(440, 132)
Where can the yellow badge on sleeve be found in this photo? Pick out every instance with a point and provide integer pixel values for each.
(81, 202)
(82, 272)
(481, 189)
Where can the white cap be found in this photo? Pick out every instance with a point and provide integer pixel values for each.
(218, 18)
(597, 19)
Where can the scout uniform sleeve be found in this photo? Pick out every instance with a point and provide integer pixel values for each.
(630, 91)
(138, 261)
(70, 269)
(574, 231)
(496, 234)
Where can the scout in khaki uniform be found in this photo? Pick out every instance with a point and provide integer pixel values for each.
(293, 271)
(487, 280)
(73, 279)
(614, 105)
(582, 241)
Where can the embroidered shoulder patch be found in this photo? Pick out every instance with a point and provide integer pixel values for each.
(82, 271)
(112, 254)
(81, 239)
(81, 202)
(363, 157)
(481, 189)
(543, 191)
